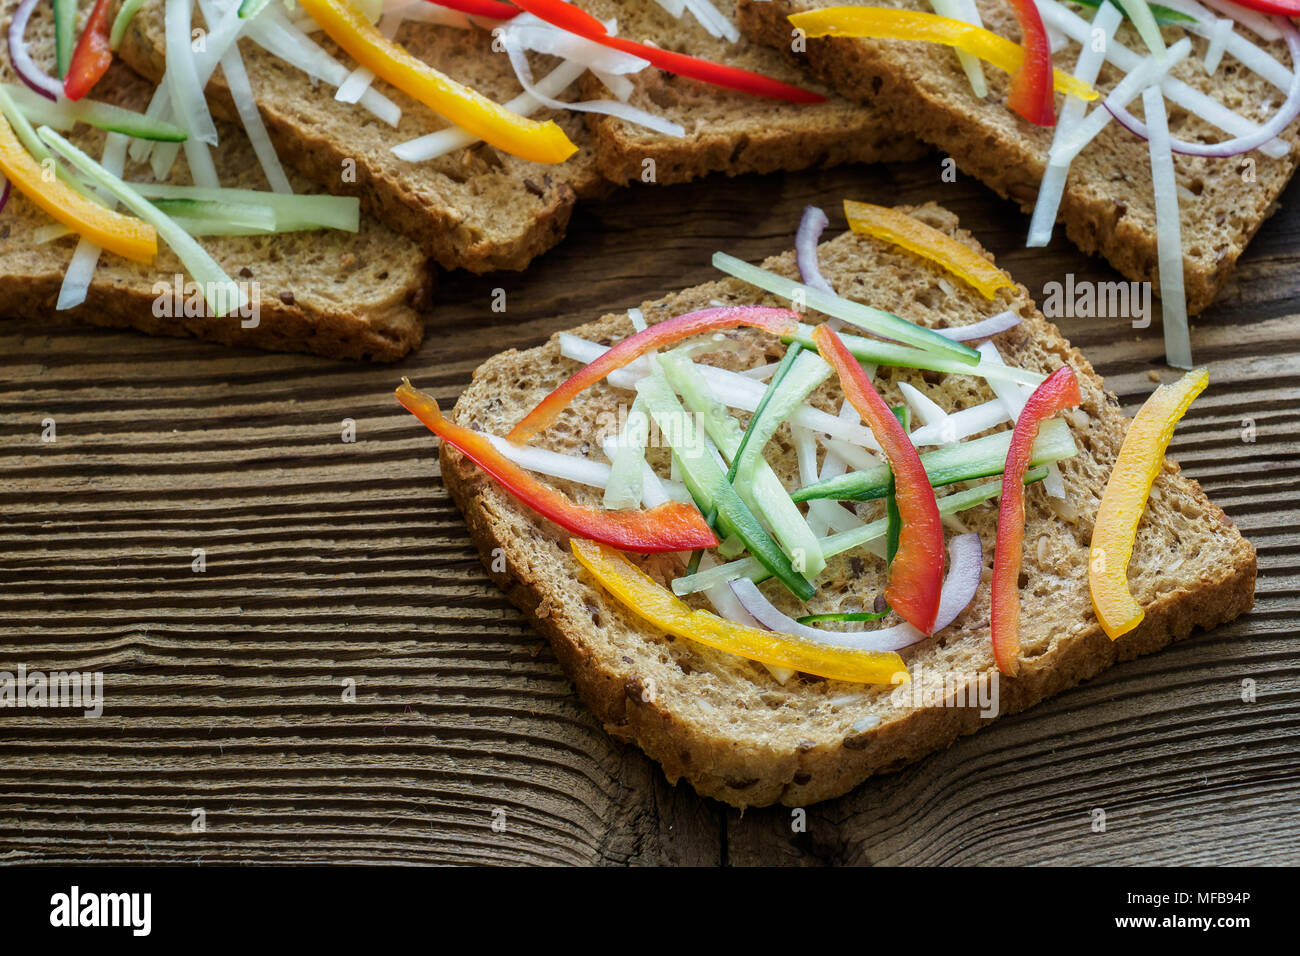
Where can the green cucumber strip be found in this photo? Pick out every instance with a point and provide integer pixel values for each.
(23, 129)
(221, 294)
(842, 617)
(709, 486)
(844, 541)
(293, 212)
(765, 494)
(894, 527)
(256, 219)
(864, 316)
(123, 20)
(731, 547)
(1164, 16)
(627, 467)
(977, 458)
(66, 113)
(65, 24)
(890, 353)
(249, 9)
(808, 372)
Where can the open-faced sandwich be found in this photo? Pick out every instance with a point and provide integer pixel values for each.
(817, 519)
(286, 171)
(1161, 135)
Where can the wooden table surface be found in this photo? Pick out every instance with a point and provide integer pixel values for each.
(332, 565)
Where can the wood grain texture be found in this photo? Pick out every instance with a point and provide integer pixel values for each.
(329, 561)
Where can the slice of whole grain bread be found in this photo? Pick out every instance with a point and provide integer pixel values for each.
(1107, 207)
(476, 208)
(356, 295)
(725, 724)
(728, 131)
(481, 209)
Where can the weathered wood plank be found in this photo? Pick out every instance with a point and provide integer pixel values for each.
(329, 561)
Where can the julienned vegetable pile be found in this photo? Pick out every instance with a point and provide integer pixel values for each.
(84, 199)
(735, 524)
(1050, 26)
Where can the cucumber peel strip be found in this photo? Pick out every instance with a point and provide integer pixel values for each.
(708, 484)
(977, 458)
(219, 292)
(765, 494)
(115, 119)
(876, 352)
(123, 20)
(873, 320)
(293, 212)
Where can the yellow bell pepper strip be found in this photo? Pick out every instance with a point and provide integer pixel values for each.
(1058, 392)
(669, 527)
(1125, 498)
(881, 24)
(916, 573)
(668, 332)
(106, 228)
(345, 24)
(899, 228)
(666, 612)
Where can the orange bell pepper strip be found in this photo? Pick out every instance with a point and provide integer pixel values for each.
(128, 237)
(776, 321)
(669, 527)
(1125, 498)
(878, 23)
(346, 25)
(1059, 391)
(93, 55)
(637, 591)
(916, 573)
(899, 228)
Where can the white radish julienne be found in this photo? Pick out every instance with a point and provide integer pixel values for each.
(1052, 186)
(1178, 92)
(512, 35)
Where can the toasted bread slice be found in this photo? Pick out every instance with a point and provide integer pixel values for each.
(1107, 208)
(333, 293)
(728, 131)
(725, 724)
(481, 209)
(477, 208)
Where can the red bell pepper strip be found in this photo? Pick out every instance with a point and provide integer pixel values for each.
(1031, 85)
(1058, 392)
(491, 9)
(93, 55)
(669, 527)
(916, 574)
(577, 21)
(1283, 8)
(776, 321)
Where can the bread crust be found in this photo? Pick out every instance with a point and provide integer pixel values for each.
(525, 556)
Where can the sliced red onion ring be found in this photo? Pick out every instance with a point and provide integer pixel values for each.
(4, 196)
(21, 57)
(805, 248)
(966, 565)
(983, 329)
(1280, 120)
